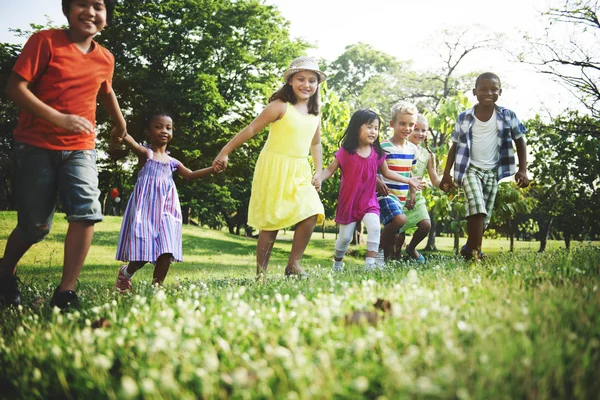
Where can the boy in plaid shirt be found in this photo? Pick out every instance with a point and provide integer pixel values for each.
(482, 154)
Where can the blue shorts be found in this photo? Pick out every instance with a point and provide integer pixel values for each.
(40, 174)
(389, 208)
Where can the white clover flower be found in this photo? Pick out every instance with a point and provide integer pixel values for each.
(102, 362)
(160, 295)
(462, 326)
(148, 386)
(211, 362)
(413, 276)
(36, 375)
(129, 387)
(520, 326)
(361, 384)
(282, 352)
(240, 377)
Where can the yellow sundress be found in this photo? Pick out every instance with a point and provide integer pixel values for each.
(282, 193)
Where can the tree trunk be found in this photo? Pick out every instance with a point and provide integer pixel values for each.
(323, 229)
(512, 242)
(104, 203)
(545, 234)
(185, 214)
(358, 234)
(567, 241)
(432, 232)
(456, 241)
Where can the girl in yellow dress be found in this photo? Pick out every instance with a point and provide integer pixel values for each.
(282, 193)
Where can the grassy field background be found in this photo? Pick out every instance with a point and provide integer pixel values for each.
(519, 326)
(210, 253)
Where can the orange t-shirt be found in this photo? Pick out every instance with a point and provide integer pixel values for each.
(67, 80)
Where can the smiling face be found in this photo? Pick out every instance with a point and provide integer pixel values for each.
(86, 18)
(369, 132)
(419, 132)
(403, 125)
(487, 91)
(304, 84)
(160, 130)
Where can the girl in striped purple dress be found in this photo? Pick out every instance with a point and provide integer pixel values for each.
(151, 228)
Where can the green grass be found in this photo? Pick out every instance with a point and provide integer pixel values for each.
(523, 325)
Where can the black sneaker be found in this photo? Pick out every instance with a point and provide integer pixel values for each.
(10, 295)
(64, 300)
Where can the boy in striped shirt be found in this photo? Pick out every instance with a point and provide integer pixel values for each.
(400, 156)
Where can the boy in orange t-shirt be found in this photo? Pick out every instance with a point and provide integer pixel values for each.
(56, 81)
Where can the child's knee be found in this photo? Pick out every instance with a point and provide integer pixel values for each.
(425, 225)
(399, 220)
(35, 233)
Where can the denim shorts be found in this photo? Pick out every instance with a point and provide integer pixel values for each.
(41, 174)
(389, 208)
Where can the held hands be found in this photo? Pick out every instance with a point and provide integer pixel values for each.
(117, 135)
(415, 182)
(75, 123)
(410, 204)
(522, 179)
(317, 180)
(446, 184)
(381, 188)
(220, 163)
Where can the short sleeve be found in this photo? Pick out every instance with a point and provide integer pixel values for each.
(174, 164)
(517, 129)
(380, 159)
(106, 86)
(34, 58)
(341, 155)
(456, 131)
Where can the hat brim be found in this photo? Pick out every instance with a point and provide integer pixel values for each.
(291, 71)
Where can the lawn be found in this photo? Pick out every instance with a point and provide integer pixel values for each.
(523, 325)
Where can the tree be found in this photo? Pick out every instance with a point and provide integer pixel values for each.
(8, 122)
(208, 63)
(566, 167)
(353, 70)
(335, 116)
(510, 203)
(574, 59)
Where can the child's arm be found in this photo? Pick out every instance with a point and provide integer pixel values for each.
(325, 174)
(188, 174)
(111, 105)
(135, 146)
(316, 152)
(521, 175)
(387, 173)
(432, 171)
(272, 112)
(18, 91)
(381, 188)
(446, 183)
(410, 202)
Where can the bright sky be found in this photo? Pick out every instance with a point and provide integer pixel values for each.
(407, 30)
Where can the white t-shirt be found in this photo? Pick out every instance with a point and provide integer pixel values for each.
(485, 147)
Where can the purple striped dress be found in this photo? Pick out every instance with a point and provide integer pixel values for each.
(152, 221)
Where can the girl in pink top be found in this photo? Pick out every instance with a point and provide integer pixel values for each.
(359, 158)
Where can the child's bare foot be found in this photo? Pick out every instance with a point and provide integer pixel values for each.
(295, 271)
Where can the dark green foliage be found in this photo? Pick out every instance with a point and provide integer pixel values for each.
(566, 168)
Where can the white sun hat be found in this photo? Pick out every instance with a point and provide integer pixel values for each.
(304, 64)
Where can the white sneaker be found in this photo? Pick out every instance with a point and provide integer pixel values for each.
(338, 266)
(379, 259)
(370, 267)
